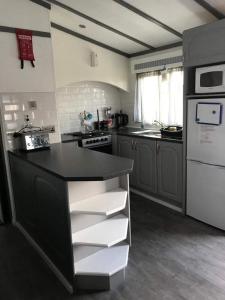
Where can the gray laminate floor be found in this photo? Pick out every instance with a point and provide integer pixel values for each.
(172, 257)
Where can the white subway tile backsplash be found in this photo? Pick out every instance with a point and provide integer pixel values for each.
(14, 107)
(11, 107)
(8, 117)
(89, 96)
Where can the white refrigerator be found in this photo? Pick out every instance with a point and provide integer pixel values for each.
(206, 161)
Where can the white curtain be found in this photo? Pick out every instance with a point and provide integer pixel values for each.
(159, 96)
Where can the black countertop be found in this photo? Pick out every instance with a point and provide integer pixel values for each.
(127, 131)
(72, 163)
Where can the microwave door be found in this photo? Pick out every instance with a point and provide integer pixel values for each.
(210, 79)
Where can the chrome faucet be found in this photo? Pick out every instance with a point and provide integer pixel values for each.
(159, 123)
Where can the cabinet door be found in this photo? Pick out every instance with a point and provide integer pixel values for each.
(204, 44)
(114, 144)
(169, 166)
(145, 153)
(126, 149)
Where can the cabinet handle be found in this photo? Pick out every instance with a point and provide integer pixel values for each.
(132, 145)
(157, 148)
(135, 146)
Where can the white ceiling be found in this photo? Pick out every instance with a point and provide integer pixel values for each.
(177, 14)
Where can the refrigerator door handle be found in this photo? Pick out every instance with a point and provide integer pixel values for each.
(199, 162)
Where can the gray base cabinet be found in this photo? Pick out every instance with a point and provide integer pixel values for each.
(169, 168)
(157, 166)
(126, 149)
(145, 165)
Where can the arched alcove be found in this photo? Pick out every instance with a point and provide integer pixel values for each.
(75, 97)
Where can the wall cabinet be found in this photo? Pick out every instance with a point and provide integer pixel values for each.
(157, 166)
(201, 44)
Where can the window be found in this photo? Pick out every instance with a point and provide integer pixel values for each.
(159, 96)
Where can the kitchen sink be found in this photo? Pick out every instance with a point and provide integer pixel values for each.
(149, 131)
(152, 133)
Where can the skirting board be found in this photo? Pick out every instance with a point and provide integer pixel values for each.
(156, 200)
(54, 269)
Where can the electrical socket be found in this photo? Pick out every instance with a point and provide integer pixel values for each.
(32, 105)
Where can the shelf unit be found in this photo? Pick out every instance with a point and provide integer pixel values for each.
(101, 263)
(100, 231)
(106, 233)
(103, 204)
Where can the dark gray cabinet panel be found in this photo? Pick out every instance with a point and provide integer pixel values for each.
(169, 167)
(125, 146)
(145, 152)
(42, 209)
(204, 44)
(157, 166)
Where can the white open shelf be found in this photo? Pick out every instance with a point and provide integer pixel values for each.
(103, 204)
(105, 262)
(106, 233)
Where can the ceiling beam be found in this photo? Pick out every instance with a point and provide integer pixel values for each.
(41, 3)
(148, 17)
(34, 32)
(165, 47)
(78, 13)
(210, 9)
(85, 38)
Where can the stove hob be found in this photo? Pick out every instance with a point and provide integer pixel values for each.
(89, 134)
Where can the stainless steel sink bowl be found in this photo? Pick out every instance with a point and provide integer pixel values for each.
(147, 131)
(155, 133)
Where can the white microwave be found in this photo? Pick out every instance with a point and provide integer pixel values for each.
(210, 79)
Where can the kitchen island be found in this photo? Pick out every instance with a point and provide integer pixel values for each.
(73, 206)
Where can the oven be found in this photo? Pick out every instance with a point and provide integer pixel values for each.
(102, 148)
(96, 140)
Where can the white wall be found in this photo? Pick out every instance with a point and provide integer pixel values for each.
(17, 86)
(14, 106)
(72, 62)
(88, 96)
(27, 15)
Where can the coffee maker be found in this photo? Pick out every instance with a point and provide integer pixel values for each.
(121, 119)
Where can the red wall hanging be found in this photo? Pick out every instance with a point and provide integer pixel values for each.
(25, 46)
